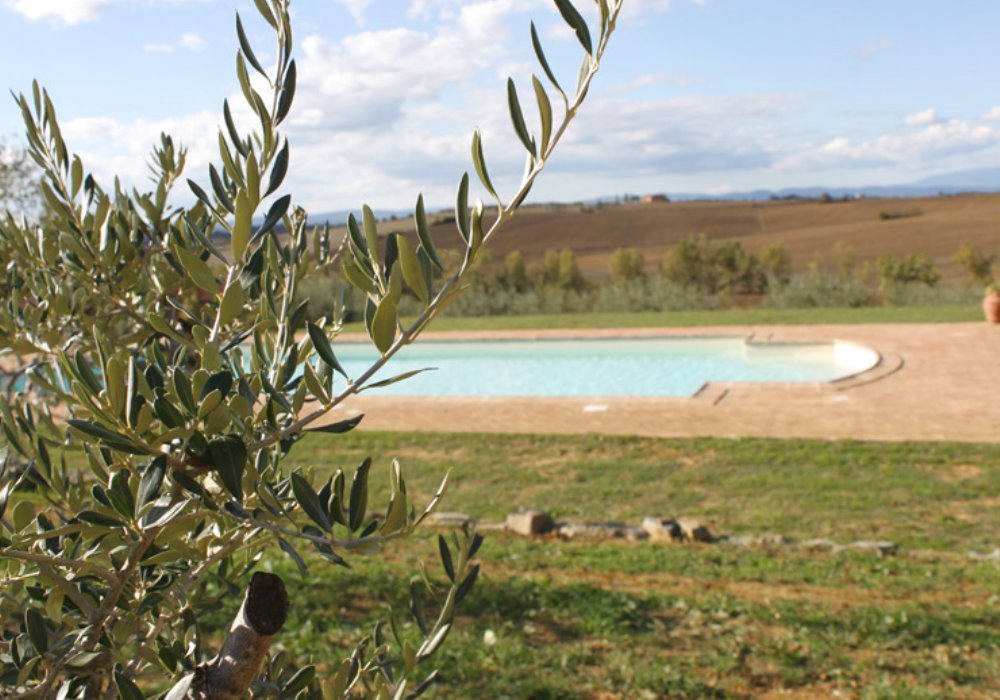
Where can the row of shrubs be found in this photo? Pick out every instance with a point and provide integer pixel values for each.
(698, 273)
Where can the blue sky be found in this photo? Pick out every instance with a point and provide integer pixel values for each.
(694, 96)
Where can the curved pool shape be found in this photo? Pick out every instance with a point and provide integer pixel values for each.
(665, 366)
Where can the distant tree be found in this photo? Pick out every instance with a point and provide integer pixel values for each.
(916, 268)
(514, 275)
(736, 270)
(548, 274)
(570, 276)
(627, 265)
(977, 265)
(776, 262)
(845, 259)
(689, 263)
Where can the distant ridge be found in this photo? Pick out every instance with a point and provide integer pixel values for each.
(983, 180)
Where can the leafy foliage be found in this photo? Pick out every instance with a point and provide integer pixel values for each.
(182, 375)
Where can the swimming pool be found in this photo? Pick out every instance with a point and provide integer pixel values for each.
(665, 366)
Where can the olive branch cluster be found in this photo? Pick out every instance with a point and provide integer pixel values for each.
(166, 380)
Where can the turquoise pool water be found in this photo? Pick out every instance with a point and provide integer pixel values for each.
(674, 366)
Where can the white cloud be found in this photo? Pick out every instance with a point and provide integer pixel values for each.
(927, 116)
(918, 142)
(992, 115)
(60, 11)
(192, 41)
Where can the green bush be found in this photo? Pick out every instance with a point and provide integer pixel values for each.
(916, 268)
(714, 269)
(627, 266)
(167, 385)
(776, 264)
(977, 265)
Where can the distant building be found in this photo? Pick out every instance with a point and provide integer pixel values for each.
(654, 198)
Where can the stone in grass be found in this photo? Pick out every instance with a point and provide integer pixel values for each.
(577, 530)
(694, 531)
(883, 549)
(530, 522)
(662, 529)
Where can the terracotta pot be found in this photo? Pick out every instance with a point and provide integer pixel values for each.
(991, 307)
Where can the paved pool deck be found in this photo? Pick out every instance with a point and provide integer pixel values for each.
(933, 382)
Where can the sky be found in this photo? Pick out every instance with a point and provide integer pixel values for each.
(705, 96)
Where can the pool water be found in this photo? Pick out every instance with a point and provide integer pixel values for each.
(674, 366)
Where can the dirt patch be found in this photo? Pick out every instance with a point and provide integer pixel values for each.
(958, 472)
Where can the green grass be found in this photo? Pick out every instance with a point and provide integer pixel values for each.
(630, 620)
(723, 317)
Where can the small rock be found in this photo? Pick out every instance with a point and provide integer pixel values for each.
(989, 556)
(530, 522)
(662, 529)
(884, 549)
(738, 540)
(775, 541)
(446, 519)
(694, 530)
(576, 530)
(636, 534)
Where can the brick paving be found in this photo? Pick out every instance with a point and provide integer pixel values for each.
(935, 382)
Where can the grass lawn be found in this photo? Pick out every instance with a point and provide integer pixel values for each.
(722, 317)
(633, 620)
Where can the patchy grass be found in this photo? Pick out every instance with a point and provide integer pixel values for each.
(638, 620)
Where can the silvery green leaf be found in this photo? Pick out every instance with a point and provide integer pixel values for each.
(431, 645)
(371, 233)
(296, 557)
(220, 189)
(229, 457)
(446, 561)
(94, 518)
(323, 347)
(356, 236)
(467, 583)
(160, 515)
(309, 501)
(245, 46)
(359, 496)
(517, 117)
(424, 232)
(576, 23)
(383, 328)
(127, 690)
(265, 12)
(151, 481)
(542, 60)
(397, 378)
(278, 170)
(234, 135)
(241, 225)
(34, 623)
(287, 94)
(544, 113)
(343, 426)
(462, 207)
(479, 161)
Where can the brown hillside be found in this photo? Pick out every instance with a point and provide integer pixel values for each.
(809, 229)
